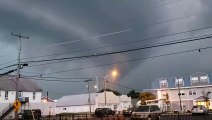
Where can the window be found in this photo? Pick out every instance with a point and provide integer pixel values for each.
(194, 79)
(34, 94)
(208, 90)
(6, 95)
(194, 93)
(190, 92)
(64, 108)
(204, 78)
(115, 107)
(20, 94)
(163, 82)
(0, 93)
(182, 92)
(179, 81)
(154, 108)
(183, 105)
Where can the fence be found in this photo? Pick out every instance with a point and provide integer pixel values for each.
(185, 116)
(82, 117)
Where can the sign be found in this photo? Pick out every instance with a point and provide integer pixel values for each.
(16, 105)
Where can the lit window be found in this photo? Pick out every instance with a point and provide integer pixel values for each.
(163, 82)
(178, 81)
(194, 79)
(204, 78)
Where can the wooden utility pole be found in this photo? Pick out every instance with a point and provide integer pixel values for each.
(18, 67)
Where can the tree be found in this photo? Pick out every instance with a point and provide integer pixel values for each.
(144, 96)
(114, 91)
(133, 94)
(206, 98)
(166, 100)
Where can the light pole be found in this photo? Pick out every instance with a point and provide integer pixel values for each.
(114, 73)
(89, 96)
(97, 85)
(179, 94)
(18, 68)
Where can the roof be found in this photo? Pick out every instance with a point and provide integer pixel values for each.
(76, 100)
(9, 83)
(171, 81)
(201, 98)
(47, 99)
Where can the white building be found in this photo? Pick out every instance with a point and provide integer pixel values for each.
(29, 91)
(79, 103)
(191, 90)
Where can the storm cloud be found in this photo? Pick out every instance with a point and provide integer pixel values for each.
(52, 22)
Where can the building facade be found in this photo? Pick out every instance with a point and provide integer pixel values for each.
(188, 90)
(28, 91)
(79, 103)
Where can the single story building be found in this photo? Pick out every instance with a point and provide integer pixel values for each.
(80, 103)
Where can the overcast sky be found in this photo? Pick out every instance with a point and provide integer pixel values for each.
(86, 26)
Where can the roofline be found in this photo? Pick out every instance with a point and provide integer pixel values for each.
(181, 87)
(22, 90)
(72, 105)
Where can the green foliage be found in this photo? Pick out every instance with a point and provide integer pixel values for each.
(133, 94)
(146, 96)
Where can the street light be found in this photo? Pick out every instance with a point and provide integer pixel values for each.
(114, 73)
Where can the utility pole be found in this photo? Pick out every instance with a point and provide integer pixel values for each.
(179, 94)
(18, 67)
(105, 92)
(89, 94)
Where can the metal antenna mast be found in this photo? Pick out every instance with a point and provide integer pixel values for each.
(18, 67)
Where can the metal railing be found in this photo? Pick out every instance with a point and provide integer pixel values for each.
(82, 117)
(5, 110)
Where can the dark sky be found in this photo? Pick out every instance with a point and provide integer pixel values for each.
(85, 25)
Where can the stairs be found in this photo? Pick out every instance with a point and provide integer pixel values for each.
(6, 111)
(10, 107)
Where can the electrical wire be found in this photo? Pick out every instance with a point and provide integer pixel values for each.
(123, 86)
(53, 80)
(127, 61)
(81, 58)
(126, 43)
(62, 78)
(122, 51)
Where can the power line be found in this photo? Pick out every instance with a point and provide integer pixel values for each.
(56, 79)
(122, 51)
(71, 59)
(132, 60)
(126, 43)
(123, 86)
(53, 80)
(62, 78)
(8, 62)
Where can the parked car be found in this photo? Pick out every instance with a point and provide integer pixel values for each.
(104, 112)
(128, 112)
(28, 114)
(199, 109)
(146, 111)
